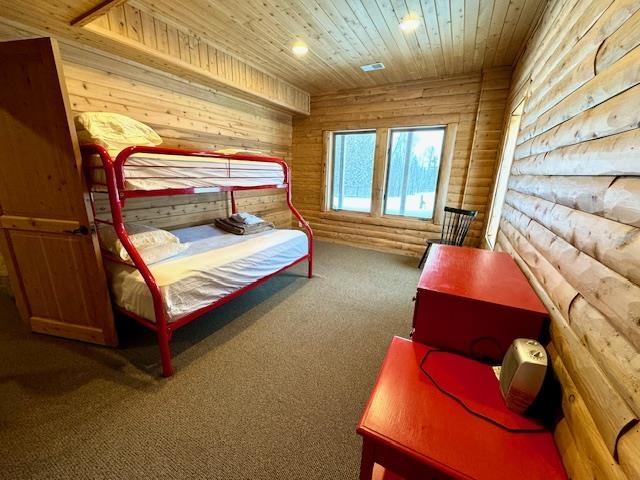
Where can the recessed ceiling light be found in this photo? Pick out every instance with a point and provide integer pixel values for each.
(299, 48)
(410, 22)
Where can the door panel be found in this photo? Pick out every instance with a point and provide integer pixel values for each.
(43, 153)
(57, 271)
(53, 272)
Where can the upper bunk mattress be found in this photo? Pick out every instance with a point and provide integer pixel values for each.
(156, 171)
(216, 264)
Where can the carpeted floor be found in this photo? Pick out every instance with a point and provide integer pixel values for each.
(270, 386)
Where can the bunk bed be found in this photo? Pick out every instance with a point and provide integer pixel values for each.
(216, 267)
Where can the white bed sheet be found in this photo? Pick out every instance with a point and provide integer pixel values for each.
(152, 171)
(216, 264)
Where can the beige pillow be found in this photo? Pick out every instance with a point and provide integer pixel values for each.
(142, 237)
(114, 131)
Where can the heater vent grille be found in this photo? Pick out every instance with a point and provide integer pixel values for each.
(372, 67)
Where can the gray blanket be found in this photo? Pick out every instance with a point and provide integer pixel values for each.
(239, 228)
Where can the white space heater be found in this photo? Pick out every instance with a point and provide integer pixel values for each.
(522, 373)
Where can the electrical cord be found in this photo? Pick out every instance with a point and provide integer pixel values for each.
(464, 405)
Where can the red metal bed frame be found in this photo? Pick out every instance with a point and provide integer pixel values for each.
(117, 194)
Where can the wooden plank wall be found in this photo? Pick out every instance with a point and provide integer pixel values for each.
(475, 102)
(138, 38)
(572, 220)
(185, 115)
(137, 28)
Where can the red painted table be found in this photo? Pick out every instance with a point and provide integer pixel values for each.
(475, 302)
(412, 429)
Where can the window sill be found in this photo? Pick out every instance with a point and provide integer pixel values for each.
(411, 223)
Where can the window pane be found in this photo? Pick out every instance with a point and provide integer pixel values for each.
(353, 171)
(414, 161)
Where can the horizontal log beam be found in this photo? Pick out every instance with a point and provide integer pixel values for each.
(614, 244)
(614, 116)
(606, 290)
(582, 425)
(614, 155)
(615, 198)
(619, 77)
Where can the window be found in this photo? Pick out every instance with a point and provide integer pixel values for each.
(353, 154)
(412, 171)
(389, 172)
(500, 189)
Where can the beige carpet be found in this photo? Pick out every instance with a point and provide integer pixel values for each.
(270, 386)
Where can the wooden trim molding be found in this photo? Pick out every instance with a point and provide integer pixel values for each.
(95, 12)
(38, 224)
(327, 170)
(380, 172)
(444, 175)
(66, 330)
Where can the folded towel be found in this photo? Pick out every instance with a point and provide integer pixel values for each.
(246, 218)
(228, 225)
(235, 222)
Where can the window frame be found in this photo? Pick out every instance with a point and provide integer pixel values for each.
(331, 169)
(512, 126)
(388, 165)
(380, 166)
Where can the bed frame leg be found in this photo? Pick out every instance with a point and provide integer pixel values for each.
(165, 353)
(310, 272)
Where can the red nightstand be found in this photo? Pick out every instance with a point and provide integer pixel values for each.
(475, 302)
(412, 429)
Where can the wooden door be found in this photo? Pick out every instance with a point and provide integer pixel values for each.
(46, 236)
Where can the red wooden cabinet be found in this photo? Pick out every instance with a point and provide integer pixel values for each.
(417, 432)
(475, 302)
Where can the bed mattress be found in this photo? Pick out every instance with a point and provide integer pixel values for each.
(152, 171)
(216, 264)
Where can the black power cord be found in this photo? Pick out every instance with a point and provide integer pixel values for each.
(464, 405)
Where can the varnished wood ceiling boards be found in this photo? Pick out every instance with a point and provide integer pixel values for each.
(455, 36)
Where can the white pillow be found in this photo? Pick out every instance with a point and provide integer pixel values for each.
(157, 253)
(141, 236)
(114, 131)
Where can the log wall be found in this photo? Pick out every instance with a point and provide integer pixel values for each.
(571, 220)
(475, 103)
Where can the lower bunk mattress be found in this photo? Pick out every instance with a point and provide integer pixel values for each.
(215, 265)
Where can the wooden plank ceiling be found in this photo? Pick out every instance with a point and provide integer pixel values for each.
(454, 36)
